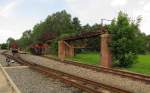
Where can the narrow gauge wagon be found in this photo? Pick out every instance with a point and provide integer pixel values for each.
(38, 49)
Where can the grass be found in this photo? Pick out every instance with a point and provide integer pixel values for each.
(87, 58)
(142, 66)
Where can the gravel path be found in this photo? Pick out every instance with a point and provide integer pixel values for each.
(4, 84)
(30, 81)
(109, 79)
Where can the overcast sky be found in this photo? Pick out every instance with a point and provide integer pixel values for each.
(16, 16)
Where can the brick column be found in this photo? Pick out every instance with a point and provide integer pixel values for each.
(106, 57)
(61, 50)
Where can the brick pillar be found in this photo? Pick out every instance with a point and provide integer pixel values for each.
(106, 57)
(61, 50)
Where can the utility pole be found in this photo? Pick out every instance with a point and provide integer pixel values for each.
(102, 21)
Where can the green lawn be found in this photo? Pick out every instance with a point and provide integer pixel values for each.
(87, 58)
(142, 66)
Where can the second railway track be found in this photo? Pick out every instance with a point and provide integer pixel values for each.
(134, 76)
(81, 83)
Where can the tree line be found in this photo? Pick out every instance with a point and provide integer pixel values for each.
(127, 39)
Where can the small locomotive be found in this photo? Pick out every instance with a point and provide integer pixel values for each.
(14, 48)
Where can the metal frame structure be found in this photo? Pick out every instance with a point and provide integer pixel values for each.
(64, 49)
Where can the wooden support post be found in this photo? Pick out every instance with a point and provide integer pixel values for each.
(106, 57)
(61, 50)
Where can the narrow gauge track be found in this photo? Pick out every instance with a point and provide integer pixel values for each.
(121, 73)
(81, 83)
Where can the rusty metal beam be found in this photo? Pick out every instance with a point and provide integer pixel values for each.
(85, 35)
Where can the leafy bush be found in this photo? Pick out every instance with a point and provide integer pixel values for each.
(54, 47)
(124, 42)
(4, 46)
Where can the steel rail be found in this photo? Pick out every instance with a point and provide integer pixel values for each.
(134, 76)
(81, 83)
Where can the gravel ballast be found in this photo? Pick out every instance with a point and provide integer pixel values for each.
(109, 79)
(30, 81)
(4, 64)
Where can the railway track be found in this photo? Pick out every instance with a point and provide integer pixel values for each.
(81, 83)
(134, 76)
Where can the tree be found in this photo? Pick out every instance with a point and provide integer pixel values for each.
(124, 44)
(53, 27)
(76, 25)
(23, 42)
(25, 39)
(10, 40)
(94, 42)
(147, 44)
(141, 41)
(59, 23)
(86, 27)
(4, 46)
(26, 34)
